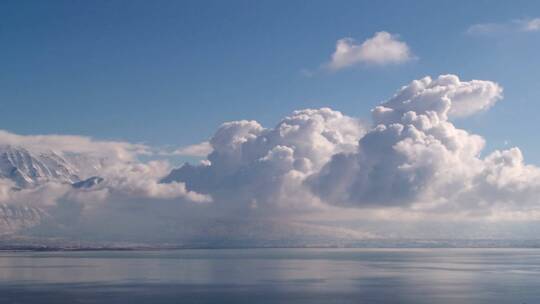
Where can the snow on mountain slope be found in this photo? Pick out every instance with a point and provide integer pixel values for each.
(88, 183)
(14, 218)
(28, 168)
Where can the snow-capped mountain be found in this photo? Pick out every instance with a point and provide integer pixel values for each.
(14, 218)
(88, 183)
(29, 169)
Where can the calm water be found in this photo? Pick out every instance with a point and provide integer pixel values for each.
(273, 276)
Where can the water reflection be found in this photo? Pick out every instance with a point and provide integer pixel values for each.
(273, 276)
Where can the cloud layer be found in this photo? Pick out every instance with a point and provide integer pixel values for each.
(114, 161)
(317, 170)
(381, 49)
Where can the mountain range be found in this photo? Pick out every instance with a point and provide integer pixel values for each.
(26, 169)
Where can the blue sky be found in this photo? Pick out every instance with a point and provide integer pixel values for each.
(170, 72)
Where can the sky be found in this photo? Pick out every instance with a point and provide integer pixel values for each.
(299, 118)
(171, 73)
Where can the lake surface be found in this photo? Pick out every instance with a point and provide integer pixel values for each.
(273, 276)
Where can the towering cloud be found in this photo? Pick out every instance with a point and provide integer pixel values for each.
(413, 153)
(415, 157)
(315, 166)
(412, 158)
(255, 167)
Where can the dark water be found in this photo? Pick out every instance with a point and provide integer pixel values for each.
(273, 276)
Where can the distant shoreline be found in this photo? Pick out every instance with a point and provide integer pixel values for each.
(158, 248)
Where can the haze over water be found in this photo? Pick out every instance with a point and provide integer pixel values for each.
(273, 276)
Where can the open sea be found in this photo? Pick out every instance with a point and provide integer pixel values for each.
(273, 276)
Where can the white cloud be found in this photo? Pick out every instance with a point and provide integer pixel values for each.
(531, 25)
(447, 96)
(383, 48)
(141, 180)
(414, 157)
(114, 161)
(256, 167)
(197, 150)
(117, 150)
(316, 171)
(487, 28)
(513, 26)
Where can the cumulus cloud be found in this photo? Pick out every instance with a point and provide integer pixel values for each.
(412, 158)
(513, 26)
(381, 49)
(255, 167)
(415, 158)
(445, 96)
(316, 171)
(141, 180)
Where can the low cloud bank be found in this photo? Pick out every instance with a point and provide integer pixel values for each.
(316, 168)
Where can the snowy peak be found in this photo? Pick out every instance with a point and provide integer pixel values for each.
(28, 169)
(88, 183)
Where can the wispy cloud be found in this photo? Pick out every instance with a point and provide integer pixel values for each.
(201, 149)
(197, 150)
(76, 144)
(512, 26)
(532, 25)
